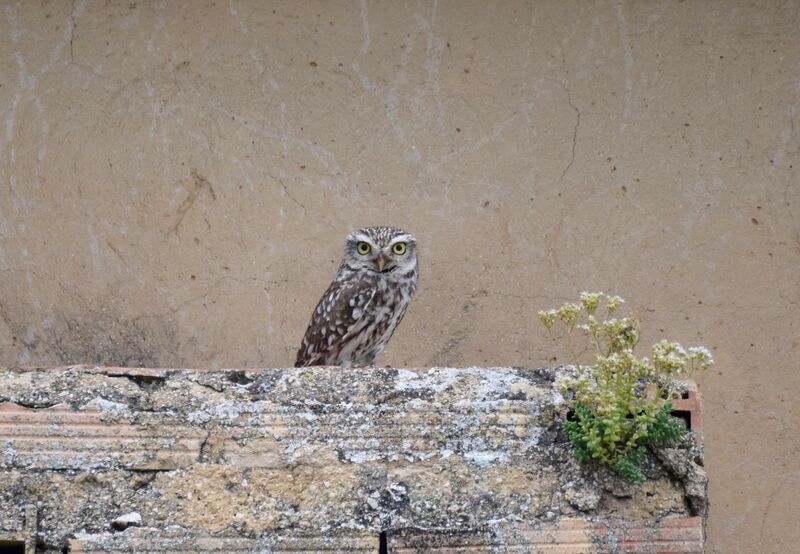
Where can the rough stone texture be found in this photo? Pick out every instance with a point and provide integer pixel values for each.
(176, 178)
(319, 459)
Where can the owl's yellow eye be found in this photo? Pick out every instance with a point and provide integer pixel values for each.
(399, 248)
(363, 248)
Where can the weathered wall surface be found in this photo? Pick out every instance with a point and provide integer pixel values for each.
(176, 178)
(322, 459)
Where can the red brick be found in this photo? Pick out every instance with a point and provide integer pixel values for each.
(693, 407)
(568, 536)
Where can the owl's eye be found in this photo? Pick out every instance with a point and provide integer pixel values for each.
(399, 248)
(363, 248)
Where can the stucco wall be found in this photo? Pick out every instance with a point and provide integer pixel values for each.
(176, 179)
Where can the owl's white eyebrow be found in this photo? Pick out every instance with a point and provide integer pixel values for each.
(403, 238)
(361, 238)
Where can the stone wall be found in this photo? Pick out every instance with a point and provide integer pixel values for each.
(321, 459)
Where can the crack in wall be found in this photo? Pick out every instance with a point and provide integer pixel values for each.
(574, 137)
(199, 184)
(365, 44)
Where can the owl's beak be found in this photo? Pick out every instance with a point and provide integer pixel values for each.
(381, 261)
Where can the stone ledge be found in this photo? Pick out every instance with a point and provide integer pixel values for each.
(321, 460)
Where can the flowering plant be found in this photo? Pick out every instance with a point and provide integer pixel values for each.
(621, 403)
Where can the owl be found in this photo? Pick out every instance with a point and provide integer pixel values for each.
(362, 307)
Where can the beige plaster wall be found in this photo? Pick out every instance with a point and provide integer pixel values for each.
(176, 179)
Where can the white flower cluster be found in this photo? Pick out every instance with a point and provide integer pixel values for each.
(701, 357)
(615, 340)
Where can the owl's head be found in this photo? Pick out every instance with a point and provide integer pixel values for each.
(385, 250)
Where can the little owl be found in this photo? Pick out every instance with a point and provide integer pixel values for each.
(357, 315)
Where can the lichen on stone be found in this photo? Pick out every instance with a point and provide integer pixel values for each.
(288, 452)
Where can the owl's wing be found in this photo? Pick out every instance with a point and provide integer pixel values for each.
(337, 313)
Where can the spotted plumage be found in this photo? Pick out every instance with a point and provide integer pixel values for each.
(362, 307)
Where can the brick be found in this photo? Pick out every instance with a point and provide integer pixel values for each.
(691, 407)
(178, 540)
(60, 438)
(567, 536)
(672, 535)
